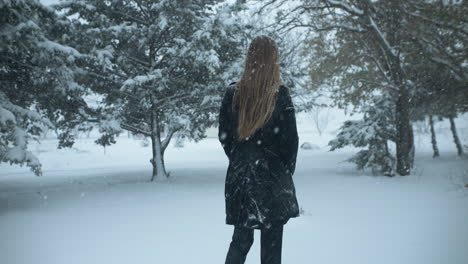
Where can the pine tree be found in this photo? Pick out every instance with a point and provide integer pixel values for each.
(372, 132)
(160, 66)
(37, 80)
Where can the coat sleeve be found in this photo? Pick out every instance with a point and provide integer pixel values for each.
(225, 125)
(289, 138)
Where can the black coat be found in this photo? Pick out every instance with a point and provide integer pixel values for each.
(259, 189)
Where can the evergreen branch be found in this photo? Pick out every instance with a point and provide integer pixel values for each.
(377, 63)
(380, 37)
(140, 6)
(134, 129)
(159, 39)
(138, 61)
(129, 95)
(142, 22)
(172, 99)
(19, 62)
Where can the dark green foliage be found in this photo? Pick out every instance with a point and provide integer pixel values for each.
(106, 140)
(37, 80)
(372, 132)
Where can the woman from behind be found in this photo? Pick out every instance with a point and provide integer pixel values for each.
(257, 129)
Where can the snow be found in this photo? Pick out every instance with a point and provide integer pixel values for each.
(163, 23)
(6, 116)
(27, 25)
(111, 125)
(142, 79)
(96, 207)
(54, 46)
(8, 107)
(223, 135)
(346, 7)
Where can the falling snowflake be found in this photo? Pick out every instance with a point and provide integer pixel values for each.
(223, 136)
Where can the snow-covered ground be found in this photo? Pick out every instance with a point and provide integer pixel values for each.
(96, 206)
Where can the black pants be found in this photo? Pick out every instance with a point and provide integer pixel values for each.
(242, 240)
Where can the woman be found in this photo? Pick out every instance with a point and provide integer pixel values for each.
(257, 129)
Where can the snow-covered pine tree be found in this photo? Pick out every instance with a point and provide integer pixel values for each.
(373, 133)
(160, 66)
(37, 87)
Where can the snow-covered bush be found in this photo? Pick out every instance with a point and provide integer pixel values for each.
(373, 133)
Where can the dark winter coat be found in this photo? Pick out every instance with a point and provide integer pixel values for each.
(259, 189)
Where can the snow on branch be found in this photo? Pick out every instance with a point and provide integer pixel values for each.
(56, 47)
(19, 155)
(348, 8)
(142, 79)
(11, 110)
(134, 129)
(6, 116)
(14, 140)
(330, 27)
(382, 37)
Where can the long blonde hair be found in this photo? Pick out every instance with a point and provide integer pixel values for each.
(256, 91)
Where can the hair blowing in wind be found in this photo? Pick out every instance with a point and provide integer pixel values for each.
(256, 91)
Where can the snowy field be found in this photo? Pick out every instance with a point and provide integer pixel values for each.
(96, 206)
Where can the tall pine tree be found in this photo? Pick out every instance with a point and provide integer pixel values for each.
(159, 65)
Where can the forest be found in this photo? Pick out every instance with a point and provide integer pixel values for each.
(153, 67)
(153, 73)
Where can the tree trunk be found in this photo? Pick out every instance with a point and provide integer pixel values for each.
(411, 146)
(455, 136)
(433, 138)
(159, 170)
(388, 169)
(403, 127)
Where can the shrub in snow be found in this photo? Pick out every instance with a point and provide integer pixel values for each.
(373, 133)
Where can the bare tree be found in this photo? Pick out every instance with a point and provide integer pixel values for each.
(320, 118)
